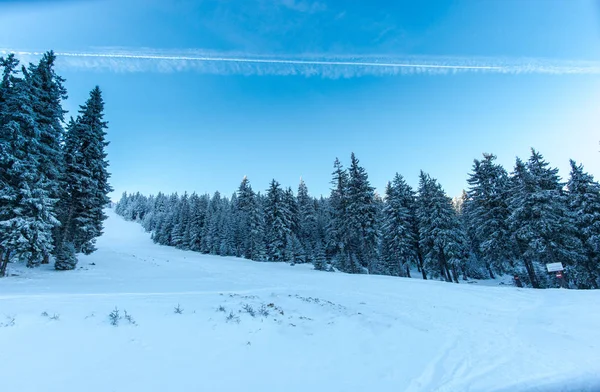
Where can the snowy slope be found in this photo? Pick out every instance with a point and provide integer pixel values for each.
(324, 332)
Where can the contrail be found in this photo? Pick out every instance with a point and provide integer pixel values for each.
(332, 67)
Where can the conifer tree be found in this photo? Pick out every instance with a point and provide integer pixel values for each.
(47, 92)
(542, 226)
(307, 224)
(336, 224)
(399, 250)
(276, 223)
(486, 213)
(584, 203)
(442, 239)
(27, 209)
(85, 181)
(361, 223)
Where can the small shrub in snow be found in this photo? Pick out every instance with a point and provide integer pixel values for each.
(249, 309)
(129, 318)
(232, 318)
(221, 308)
(114, 317)
(10, 322)
(55, 317)
(178, 309)
(44, 314)
(263, 310)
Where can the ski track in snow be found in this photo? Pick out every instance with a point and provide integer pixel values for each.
(324, 332)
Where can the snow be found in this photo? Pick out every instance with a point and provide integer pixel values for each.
(338, 332)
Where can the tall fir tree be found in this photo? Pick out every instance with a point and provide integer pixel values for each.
(399, 239)
(276, 222)
(486, 213)
(361, 225)
(85, 182)
(584, 203)
(198, 207)
(48, 92)
(27, 209)
(442, 239)
(336, 222)
(543, 229)
(244, 206)
(307, 223)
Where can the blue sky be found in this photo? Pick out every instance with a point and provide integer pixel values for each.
(187, 124)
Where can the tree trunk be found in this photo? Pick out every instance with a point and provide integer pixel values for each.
(489, 269)
(420, 264)
(531, 274)
(3, 263)
(454, 274)
(408, 271)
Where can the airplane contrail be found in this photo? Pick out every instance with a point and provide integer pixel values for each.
(150, 61)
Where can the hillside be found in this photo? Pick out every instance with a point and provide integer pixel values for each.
(247, 326)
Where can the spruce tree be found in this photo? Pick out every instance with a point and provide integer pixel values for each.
(584, 203)
(85, 180)
(336, 224)
(211, 237)
(181, 229)
(399, 249)
(244, 206)
(47, 93)
(257, 251)
(361, 212)
(442, 239)
(198, 207)
(307, 224)
(27, 209)
(542, 226)
(276, 223)
(486, 213)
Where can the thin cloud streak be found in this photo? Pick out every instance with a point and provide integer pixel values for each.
(149, 60)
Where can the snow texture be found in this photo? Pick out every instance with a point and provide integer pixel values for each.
(249, 326)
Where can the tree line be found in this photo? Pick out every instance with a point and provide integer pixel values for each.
(503, 224)
(53, 176)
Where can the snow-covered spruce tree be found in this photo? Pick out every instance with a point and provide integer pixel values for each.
(258, 250)
(226, 244)
(243, 206)
(156, 212)
(336, 225)
(211, 238)
(322, 215)
(486, 215)
(7, 191)
(249, 223)
(584, 203)
(276, 223)
(198, 208)
(442, 239)
(307, 224)
(47, 93)
(319, 260)
(181, 228)
(85, 181)
(163, 233)
(542, 226)
(361, 225)
(26, 209)
(290, 209)
(398, 251)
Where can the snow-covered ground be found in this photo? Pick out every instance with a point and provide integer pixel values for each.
(323, 332)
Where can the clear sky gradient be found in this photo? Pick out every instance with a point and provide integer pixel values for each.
(179, 125)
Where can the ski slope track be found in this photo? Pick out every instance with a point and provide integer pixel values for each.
(247, 326)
